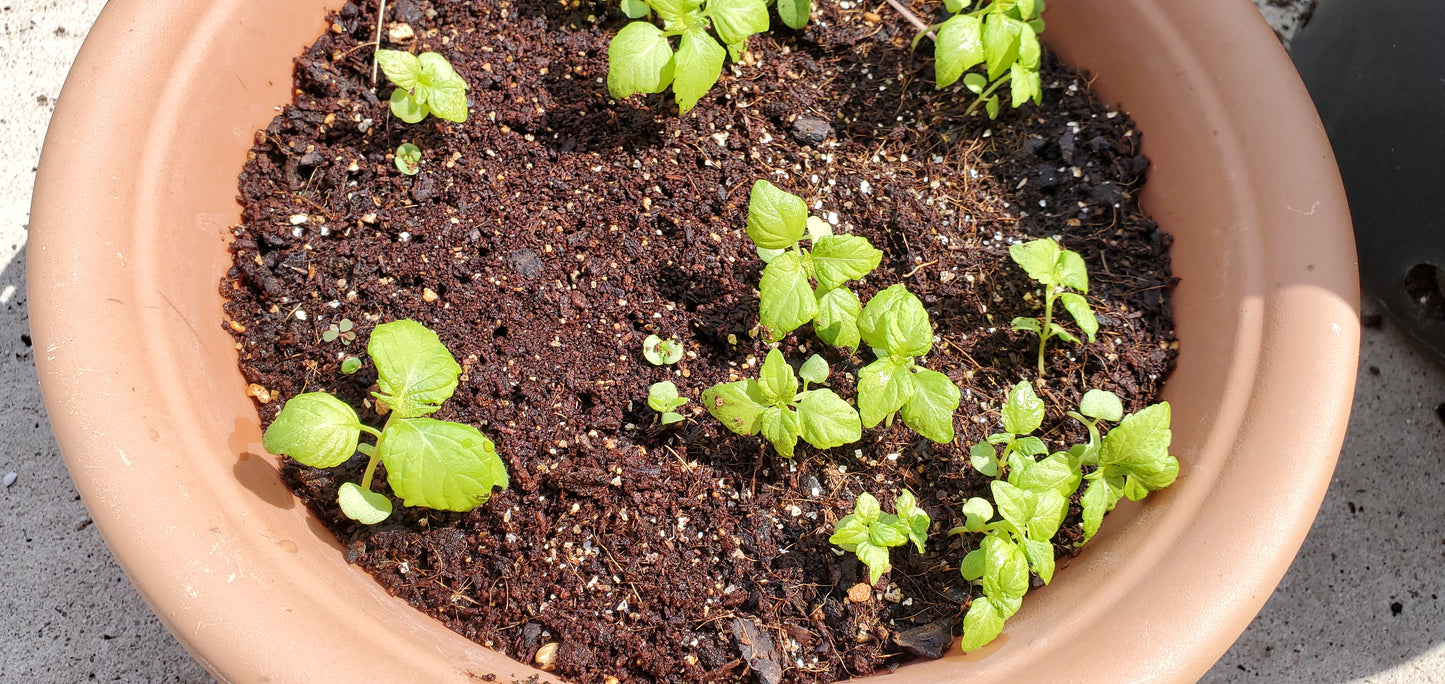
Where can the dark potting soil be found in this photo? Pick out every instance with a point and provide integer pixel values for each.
(544, 238)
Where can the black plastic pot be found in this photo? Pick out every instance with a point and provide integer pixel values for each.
(1376, 71)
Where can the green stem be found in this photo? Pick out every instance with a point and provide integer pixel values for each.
(1045, 333)
(987, 93)
(375, 453)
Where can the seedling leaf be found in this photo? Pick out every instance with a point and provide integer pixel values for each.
(794, 13)
(929, 412)
(441, 465)
(836, 322)
(1078, 307)
(1023, 411)
(736, 20)
(415, 371)
(639, 60)
(814, 370)
(365, 507)
(840, 258)
(787, 300)
(884, 386)
(776, 380)
(734, 407)
(699, 63)
(316, 429)
(776, 218)
(959, 48)
(827, 421)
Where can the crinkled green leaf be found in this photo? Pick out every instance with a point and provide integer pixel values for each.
(401, 68)
(1151, 477)
(914, 520)
(1000, 43)
(827, 421)
(849, 532)
(981, 624)
(415, 372)
(408, 108)
(1026, 8)
(984, 458)
(776, 379)
(1016, 505)
(884, 386)
(639, 60)
(735, 20)
(1078, 307)
(872, 324)
(674, 10)
(1072, 271)
(776, 218)
(814, 370)
(365, 507)
(1021, 84)
(794, 13)
(699, 63)
(959, 48)
(1099, 498)
(886, 532)
(929, 412)
(1039, 259)
(1023, 412)
(906, 330)
(840, 258)
(786, 299)
(866, 508)
(441, 465)
(1030, 446)
(876, 558)
(779, 425)
(1054, 473)
(1050, 507)
(836, 322)
(1101, 405)
(449, 101)
(1041, 558)
(734, 406)
(1139, 440)
(1007, 571)
(316, 429)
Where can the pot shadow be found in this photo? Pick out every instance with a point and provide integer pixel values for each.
(255, 471)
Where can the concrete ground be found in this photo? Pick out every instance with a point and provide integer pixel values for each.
(1360, 604)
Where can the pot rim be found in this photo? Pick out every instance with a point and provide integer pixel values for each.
(112, 208)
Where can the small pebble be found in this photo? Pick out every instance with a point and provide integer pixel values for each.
(10, 478)
(546, 657)
(860, 593)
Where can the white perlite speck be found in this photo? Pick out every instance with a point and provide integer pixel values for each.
(9, 479)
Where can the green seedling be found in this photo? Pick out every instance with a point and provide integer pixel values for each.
(431, 463)
(350, 365)
(896, 326)
(778, 222)
(662, 397)
(774, 406)
(408, 159)
(1003, 36)
(426, 84)
(641, 59)
(1131, 460)
(341, 330)
(1022, 414)
(660, 352)
(868, 532)
(1055, 268)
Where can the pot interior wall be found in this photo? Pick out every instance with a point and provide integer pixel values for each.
(255, 587)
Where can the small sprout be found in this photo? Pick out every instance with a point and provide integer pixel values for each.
(430, 463)
(869, 533)
(408, 159)
(662, 397)
(1002, 35)
(350, 365)
(426, 84)
(340, 331)
(778, 222)
(660, 352)
(896, 326)
(1055, 268)
(774, 406)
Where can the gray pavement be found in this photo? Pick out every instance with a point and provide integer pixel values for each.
(1360, 604)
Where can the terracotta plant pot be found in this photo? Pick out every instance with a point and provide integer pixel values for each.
(137, 188)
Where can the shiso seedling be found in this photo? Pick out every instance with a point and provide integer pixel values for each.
(1131, 460)
(660, 352)
(868, 532)
(1002, 35)
(408, 159)
(662, 397)
(426, 84)
(431, 463)
(774, 406)
(641, 59)
(896, 326)
(778, 222)
(1055, 268)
